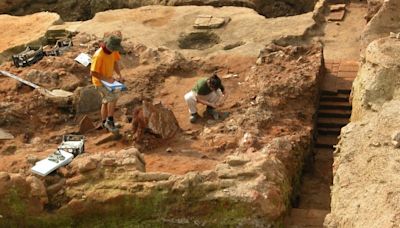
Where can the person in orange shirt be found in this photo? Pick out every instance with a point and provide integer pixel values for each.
(104, 63)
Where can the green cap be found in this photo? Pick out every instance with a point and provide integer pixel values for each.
(113, 43)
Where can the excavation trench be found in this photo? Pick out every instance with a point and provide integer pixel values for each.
(313, 202)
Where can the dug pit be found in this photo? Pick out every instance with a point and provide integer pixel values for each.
(198, 40)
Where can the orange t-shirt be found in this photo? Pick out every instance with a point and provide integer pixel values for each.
(103, 64)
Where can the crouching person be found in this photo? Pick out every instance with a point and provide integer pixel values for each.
(207, 91)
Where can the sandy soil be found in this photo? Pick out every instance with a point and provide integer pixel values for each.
(22, 30)
(342, 39)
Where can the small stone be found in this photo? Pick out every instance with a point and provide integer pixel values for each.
(169, 150)
(129, 161)
(36, 140)
(396, 139)
(64, 172)
(375, 144)
(4, 177)
(53, 189)
(236, 161)
(108, 162)
(9, 150)
(32, 159)
(87, 165)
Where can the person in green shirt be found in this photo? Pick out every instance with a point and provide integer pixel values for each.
(208, 91)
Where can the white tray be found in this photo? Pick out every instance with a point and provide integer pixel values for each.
(45, 166)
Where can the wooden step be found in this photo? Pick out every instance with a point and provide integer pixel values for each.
(336, 97)
(339, 113)
(328, 93)
(344, 91)
(334, 105)
(328, 131)
(305, 218)
(332, 122)
(326, 141)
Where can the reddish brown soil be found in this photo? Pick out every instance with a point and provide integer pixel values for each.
(38, 126)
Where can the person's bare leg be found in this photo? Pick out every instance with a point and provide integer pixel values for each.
(103, 112)
(110, 109)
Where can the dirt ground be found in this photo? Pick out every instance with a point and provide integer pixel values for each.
(342, 38)
(30, 24)
(38, 126)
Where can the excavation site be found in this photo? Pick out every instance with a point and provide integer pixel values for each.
(215, 113)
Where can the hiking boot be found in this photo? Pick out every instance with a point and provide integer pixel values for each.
(117, 125)
(212, 112)
(109, 125)
(224, 115)
(194, 117)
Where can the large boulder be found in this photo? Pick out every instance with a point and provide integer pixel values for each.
(377, 78)
(87, 99)
(161, 120)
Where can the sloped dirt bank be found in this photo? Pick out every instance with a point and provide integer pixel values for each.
(73, 10)
(366, 164)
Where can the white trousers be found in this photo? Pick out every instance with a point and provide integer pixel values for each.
(214, 97)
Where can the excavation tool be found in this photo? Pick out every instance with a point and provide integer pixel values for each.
(28, 57)
(57, 93)
(71, 146)
(59, 48)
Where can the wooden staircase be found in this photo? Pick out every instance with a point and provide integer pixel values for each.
(333, 113)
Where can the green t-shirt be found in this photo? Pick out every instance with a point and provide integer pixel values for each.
(201, 87)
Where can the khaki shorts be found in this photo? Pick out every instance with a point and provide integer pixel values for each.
(106, 95)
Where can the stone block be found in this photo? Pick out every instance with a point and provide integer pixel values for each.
(87, 99)
(5, 135)
(86, 125)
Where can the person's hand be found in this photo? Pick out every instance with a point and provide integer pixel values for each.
(109, 80)
(211, 105)
(120, 79)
